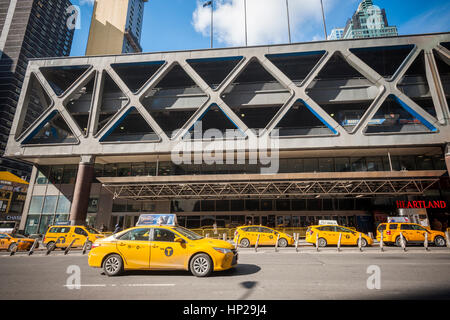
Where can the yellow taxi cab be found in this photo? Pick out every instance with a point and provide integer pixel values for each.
(412, 233)
(267, 236)
(329, 235)
(62, 235)
(10, 242)
(161, 247)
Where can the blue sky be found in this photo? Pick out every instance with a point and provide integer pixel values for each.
(184, 24)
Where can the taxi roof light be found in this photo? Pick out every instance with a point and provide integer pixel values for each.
(157, 220)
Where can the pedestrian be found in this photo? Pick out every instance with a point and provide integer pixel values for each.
(102, 228)
(117, 228)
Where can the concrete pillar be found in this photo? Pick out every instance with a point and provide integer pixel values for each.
(26, 206)
(81, 193)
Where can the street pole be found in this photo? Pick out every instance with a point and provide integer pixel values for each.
(245, 13)
(212, 24)
(288, 20)
(324, 23)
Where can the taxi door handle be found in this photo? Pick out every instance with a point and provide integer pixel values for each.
(154, 246)
(122, 244)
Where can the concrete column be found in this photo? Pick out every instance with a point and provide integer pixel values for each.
(447, 156)
(81, 193)
(26, 206)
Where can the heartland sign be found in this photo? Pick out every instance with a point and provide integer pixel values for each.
(421, 204)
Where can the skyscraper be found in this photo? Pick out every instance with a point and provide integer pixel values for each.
(369, 21)
(30, 29)
(116, 27)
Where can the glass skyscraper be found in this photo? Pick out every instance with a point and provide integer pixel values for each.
(369, 21)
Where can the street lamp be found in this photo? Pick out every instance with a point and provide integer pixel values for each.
(288, 20)
(245, 14)
(206, 4)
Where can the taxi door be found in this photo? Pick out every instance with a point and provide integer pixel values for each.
(4, 241)
(409, 233)
(134, 246)
(166, 253)
(79, 235)
(418, 233)
(349, 237)
(330, 234)
(266, 237)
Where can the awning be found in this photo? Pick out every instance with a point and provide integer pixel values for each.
(292, 185)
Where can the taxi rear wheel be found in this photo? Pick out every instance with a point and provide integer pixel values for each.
(282, 243)
(201, 265)
(12, 247)
(322, 242)
(50, 245)
(398, 241)
(245, 243)
(113, 265)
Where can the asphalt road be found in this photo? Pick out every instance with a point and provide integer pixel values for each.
(265, 274)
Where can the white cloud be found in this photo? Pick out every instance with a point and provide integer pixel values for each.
(266, 20)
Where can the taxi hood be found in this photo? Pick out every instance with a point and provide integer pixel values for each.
(215, 243)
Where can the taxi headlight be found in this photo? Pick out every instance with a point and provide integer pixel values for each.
(223, 250)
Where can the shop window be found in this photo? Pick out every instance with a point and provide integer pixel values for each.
(32, 223)
(150, 169)
(326, 165)
(165, 169)
(49, 205)
(46, 221)
(266, 205)
(358, 164)
(138, 169)
(374, 164)
(407, 163)
(124, 170)
(110, 170)
(36, 204)
(63, 205)
(424, 162)
(119, 205)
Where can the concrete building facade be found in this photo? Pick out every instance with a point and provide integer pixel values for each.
(116, 27)
(351, 126)
(29, 29)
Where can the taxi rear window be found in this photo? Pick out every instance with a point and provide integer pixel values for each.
(381, 227)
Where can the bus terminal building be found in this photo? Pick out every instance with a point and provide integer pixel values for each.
(280, 135)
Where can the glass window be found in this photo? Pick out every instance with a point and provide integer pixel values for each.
(311, 165)
(98, 169)
(407, 163)
(406, 227)
(237, 205)
(63, 205)
(81, 232)
(124, 170)
(119, 205)
(283, 205)
(42, 175)
(208, 205)
(193, 222)
(374, 164)
(61, 218)
(136, 235)
(138, 169)
(252, 205)
(49, 205)
(326, 165)
(165, 169)
(69, 174)
(358, 164)
(46, 220)
(32, 224)
(222, 205)
(163, 235)
(110, 170)
(298, 205)
(133, 206)
(424, 163)
(56, 174)
(393, 227)
(266, 205)
(93, 205)
(36, 204)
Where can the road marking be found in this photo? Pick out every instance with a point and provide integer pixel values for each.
(123, 285)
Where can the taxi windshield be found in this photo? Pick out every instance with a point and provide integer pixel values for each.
(92, 230)
(188, 233)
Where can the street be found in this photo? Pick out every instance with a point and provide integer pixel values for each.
(265, 274)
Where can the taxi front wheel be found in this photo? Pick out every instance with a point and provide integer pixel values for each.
(113, 265)
(201, 265)
(282, 243)
(439, 241)
(12, 247)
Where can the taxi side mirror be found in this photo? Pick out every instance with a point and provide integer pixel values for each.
(180, 240)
